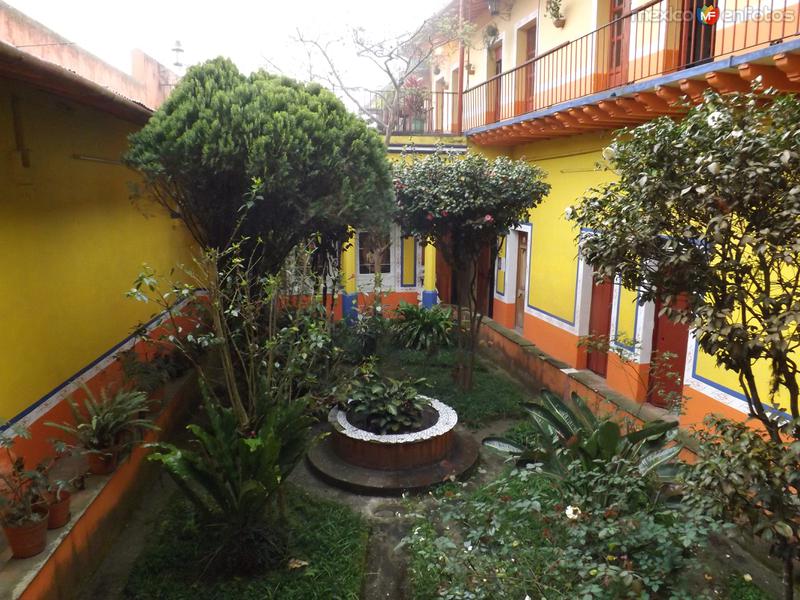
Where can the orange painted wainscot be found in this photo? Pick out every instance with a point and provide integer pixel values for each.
(98, 513)
(534, 367)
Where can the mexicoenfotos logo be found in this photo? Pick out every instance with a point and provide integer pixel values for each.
(708, 15)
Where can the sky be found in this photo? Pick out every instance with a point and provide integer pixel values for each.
(254, 34)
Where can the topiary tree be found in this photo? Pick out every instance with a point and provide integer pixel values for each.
(705, 217)
(289, 153)
(462, 205)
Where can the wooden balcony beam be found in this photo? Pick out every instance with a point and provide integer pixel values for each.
(726, 83)
(694, 88)
(771, 77)
(670, 95)
(654, 104)
(789, 64)
(634, 108)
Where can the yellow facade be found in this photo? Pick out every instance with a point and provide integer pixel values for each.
(71, 242)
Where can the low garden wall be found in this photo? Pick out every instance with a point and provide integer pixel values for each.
(527, 362)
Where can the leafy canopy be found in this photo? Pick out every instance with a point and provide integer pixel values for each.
(707, 209)
(464, 204)
(289, 151)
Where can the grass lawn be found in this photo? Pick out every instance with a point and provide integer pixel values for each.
(494, 395)
(331, 537)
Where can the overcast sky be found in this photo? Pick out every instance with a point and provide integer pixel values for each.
(253, 33)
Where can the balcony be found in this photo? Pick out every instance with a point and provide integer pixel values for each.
(415, 111)
(644, 45)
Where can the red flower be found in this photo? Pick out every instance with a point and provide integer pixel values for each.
(444, 213)
(430, 217)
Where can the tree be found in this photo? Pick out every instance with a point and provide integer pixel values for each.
(705, 217)
(401, 59)
(289, 153)
(462, 205)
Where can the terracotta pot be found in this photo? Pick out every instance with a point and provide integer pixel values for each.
(102, 463)
(59, 510)
(29, 539)
(560, 22)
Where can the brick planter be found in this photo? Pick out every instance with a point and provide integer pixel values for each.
(393, 452)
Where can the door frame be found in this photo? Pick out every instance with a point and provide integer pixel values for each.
(519, 315)
(618, 74)
(655, 348)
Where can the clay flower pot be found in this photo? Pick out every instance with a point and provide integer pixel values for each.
(59, 509)
(28, 539)
(102, 463)
(560, 22)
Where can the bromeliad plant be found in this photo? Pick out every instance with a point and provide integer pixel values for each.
(385, 405)
(563, 436)
(107, 426)
(419, 328)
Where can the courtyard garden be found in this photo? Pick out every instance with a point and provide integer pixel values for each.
(380, 453)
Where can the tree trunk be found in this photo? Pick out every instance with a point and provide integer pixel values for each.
(788, 577)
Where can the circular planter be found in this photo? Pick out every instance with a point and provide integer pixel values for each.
(394, 452)
(29, 539)
(59, 510)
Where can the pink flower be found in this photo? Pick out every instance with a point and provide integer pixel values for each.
(488, 218)
(444, 213)
(430, 217)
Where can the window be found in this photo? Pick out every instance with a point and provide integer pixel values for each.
(372, 246)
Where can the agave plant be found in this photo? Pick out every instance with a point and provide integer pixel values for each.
(565, 435)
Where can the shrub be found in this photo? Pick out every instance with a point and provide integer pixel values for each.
(605, 534)
(234, 479)
(750, 481)
(419, 328)
(385, 405)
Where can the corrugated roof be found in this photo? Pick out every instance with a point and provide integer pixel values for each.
(21, 66)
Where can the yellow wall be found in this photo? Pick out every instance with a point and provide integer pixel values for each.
(71, 243)
(570, 167)
(626, 316)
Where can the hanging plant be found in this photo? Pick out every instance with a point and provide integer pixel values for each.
(490, 35)
(553, 9)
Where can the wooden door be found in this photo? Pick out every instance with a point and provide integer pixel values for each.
(666, 379)
(522, 278)
(619, 42)
(497, 57)
(439, 110)
(530, 54)
(697, 38)
(600, 324)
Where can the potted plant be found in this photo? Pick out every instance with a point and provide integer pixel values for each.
(386, 405)
(23, 509)
(106, 427)
(490, 35)
(414, 99)
(59, 499)
(553, 9)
